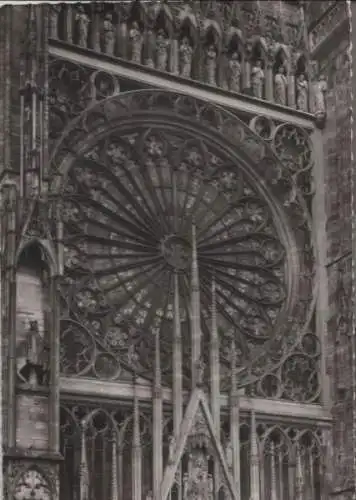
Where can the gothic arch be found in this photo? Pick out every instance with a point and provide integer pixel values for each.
(45, 248)
(239, 151)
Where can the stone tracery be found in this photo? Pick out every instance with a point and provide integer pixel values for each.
(164, 248)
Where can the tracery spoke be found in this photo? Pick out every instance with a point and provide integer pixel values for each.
(127, 267)
(96, 166)
(133, 232)
(235, 265)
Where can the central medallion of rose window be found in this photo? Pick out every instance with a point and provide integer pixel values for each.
(129, 207)
(177, 252)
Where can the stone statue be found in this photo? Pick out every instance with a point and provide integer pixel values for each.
(234, 73)
(186, 55)
(109, 35)
(319, 96)
(200, 368)
(162, 45)
(257, 79)
(35, 371)
(171, 449)
(136, 43)
(83, 26)
(302, 93)
(280, 87)
(210, 62)
(229, 455)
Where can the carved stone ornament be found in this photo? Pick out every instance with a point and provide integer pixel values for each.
(128, 201)
(26, 482)
(166, 36)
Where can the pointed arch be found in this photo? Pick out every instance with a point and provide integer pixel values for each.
(44, 482)
(282, 57)
(188, 27)
(234, 35)
(301, 64)
(259, 49)
(212, 34)
(164, 20)
(138, 13)
(46, 249)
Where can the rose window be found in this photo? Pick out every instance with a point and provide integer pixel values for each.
(130, 204)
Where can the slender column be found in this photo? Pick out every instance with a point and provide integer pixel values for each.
(291, 87)
(157, 421)
(136, 451)
(273, 472)
(291, 474)
(235, 421)
(114, 478)
(269, 87)
(195, 312)
(280, 467)
(22, 131)
(177, 347)
(262, 476)
(84, 470)
(120, 472)
(177, 363)
(299, 480)
(123, 37)
(311, 475)
(69, 23)
(255, 472)
(95, 13)
(174, 55)
(53, 15)
(215, 363)
(54, 340)
(246, 83)
(11, 313)
(215, 378)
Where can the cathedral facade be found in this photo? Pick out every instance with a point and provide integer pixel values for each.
(175, 232)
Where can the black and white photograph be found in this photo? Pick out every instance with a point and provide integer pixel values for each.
(177, 250)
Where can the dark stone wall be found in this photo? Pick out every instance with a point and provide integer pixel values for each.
(335, 64)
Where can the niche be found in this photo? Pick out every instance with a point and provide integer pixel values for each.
(32, 309)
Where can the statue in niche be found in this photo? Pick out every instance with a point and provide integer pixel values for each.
(234, 72)
(319, 97)
(83, 26)
(171, 449)
(257, 79)
(36, 369)
(109, 35)
(136, 43)
(229, 455)
(162, 45)
(197, 482)
(200, 369)
(210, 62)
(186, 56)
(280, 86)
(302, 92)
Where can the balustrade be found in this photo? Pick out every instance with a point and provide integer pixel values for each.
(180, 42)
